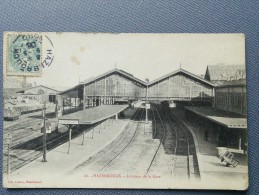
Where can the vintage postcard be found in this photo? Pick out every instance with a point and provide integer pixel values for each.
(99, 110)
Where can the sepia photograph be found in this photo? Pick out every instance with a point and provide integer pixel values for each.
(125, 110)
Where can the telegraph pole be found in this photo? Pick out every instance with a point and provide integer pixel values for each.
(8, 160)
(44, 133)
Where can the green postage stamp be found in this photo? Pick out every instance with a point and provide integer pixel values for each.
(24, 54)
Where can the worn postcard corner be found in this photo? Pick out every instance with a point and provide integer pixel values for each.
(86, 110)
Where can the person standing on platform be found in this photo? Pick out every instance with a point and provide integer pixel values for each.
(206, 135)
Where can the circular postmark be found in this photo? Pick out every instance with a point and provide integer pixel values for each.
(48, 52)
(24, 54)
(28, 54)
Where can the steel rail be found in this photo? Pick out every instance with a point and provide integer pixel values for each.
(128, 142)
(162, 141)
(176, 142)
(34, 151)
(188, 145)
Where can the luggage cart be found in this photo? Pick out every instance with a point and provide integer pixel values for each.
(228, 157)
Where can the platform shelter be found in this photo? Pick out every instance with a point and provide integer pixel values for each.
(90, 116)
(226, 128)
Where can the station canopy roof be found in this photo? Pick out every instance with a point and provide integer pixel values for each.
(183, 72)
(224, 118)
(92, 115)
(145, 84)
(115, 70)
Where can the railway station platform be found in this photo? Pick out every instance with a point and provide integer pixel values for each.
(210, 165)
(60, 163)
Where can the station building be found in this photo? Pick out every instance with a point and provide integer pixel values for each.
(117, 86)
(231, 96)
(218, 103)
(113, 86)
(181, 88)
(219, 74)
(226, 121)
(39, 93)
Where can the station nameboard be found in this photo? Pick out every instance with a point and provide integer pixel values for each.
(48, 130)
(68, 122)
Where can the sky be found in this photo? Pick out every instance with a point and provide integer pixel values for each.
(79, 56)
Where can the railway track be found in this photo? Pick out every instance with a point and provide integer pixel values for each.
(25, 152)
(136, 118)
(178, 152)
(124, 153)
(162, 137)
(24, 131)
(27, 143)
(150, 149)
(138, 154)
(163, 158)
(166, 151)
(185, 163)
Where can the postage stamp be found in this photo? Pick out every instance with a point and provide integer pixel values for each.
(24, 54)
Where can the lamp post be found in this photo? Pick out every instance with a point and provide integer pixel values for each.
(44, 134)
(147, 80)
(8, 141)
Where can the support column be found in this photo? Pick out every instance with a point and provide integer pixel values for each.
(116, 116)
(75, 104)
(93, 132)
(84, 97)
(69, 129)
(83, 138)
(63, 105)
(146, 104)
(240, 143)
(100, 126)
(70, 104)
